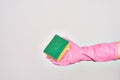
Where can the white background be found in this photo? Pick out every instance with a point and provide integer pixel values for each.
(26, 27)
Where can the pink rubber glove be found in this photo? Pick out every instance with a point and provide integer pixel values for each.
(98, 52)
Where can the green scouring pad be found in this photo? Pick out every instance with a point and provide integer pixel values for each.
(57, 48)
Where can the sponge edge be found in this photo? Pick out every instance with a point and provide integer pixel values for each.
(63, 52)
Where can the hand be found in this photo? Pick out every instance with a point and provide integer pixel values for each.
(73, 55)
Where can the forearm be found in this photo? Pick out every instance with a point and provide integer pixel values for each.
(102, 52)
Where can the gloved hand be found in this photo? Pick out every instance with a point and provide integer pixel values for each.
(73, 55)
(99, 52)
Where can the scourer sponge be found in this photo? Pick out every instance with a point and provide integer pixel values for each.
(57, 48)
